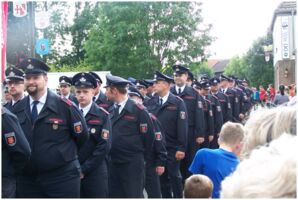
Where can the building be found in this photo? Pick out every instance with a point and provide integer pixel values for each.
(284, 30)
(218, 65)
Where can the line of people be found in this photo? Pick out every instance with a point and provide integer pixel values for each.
(138, 134)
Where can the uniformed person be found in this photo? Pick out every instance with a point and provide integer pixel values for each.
(15, 152)
(64, 88)
(133, 135)
(15, 84)
(217, 112)
(249, 94)
(55, 129)
(94, 175)
(155, 159)
(227, 90)
(150, 91)
(203, 88)
(99, 97)
(171, 111)
(195, 114)
(223, 100)
(190, 78)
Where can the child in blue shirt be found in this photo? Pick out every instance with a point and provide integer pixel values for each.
(220, 163)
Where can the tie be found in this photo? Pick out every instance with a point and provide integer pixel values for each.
(82, 111)
(160, 101)
(116, 111)
(34, 112)
(93, 98)
(179, 90)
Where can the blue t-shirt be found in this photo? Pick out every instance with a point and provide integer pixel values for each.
(216, 164)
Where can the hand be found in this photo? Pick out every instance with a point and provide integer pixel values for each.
(211, 137)
(160, 170)
(82, 175)
(200, 140)
(241, 116)
(179, 155)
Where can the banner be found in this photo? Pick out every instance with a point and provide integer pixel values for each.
(4, 13)
(42, 46)
(42, 19)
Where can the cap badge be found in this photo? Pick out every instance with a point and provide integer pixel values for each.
(30, 67)
(82, 79)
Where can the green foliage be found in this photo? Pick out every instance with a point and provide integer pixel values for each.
(253, 66)
(236, 67)
(81, 67)
(201, 68)
(136, 38)
(259, 72)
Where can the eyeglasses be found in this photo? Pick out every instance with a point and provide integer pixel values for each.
(10, 83)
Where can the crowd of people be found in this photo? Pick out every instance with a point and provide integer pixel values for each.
(166, 137)
(272, 97)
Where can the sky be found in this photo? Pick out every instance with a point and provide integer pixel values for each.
(236, 24)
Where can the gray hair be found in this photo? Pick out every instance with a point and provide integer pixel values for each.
(270, 172)
(266, 125)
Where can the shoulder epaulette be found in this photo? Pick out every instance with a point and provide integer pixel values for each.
(208, 100)
(179, 98)
(153, 116)
(104, 110)
(67, 101)
(215, 96)
(140, 106)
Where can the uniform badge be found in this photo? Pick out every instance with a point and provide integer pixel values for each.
(93, 130)
(77, 127)
(218, 108)
(10, 138)
(55, 125)
(245, 97)
(144, 128)
(158, 136)
(210, 113)
(182, 115)
(11, 74)
(30, 67)
(229, 105)
(82, 79)
(236, 99)
(200, 104)
(105, 134)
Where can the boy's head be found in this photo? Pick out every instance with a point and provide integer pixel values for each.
(198, 186)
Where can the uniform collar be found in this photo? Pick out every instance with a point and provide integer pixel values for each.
(182, 88)
(86, 109)
(41, 100)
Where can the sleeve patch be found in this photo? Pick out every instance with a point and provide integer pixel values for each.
(105, 134)
(218, 108)
(210, 113)
(229, 105)
(144, 128)
(200, 104)
(158, 136)
(10, 138)
(182, 115)
(78, 127)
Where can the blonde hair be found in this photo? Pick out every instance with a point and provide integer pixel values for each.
(198, 186)
(270, 172)
(231, 134)
(266, 125)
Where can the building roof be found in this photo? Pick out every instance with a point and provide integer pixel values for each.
(284, 8)
(221, 65)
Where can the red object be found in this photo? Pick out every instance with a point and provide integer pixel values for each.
(4, 13)
(272, 93)
(263, 95)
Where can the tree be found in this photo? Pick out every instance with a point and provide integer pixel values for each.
(259, 72)
(236, 67)
(136, 38)
(201, 68)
